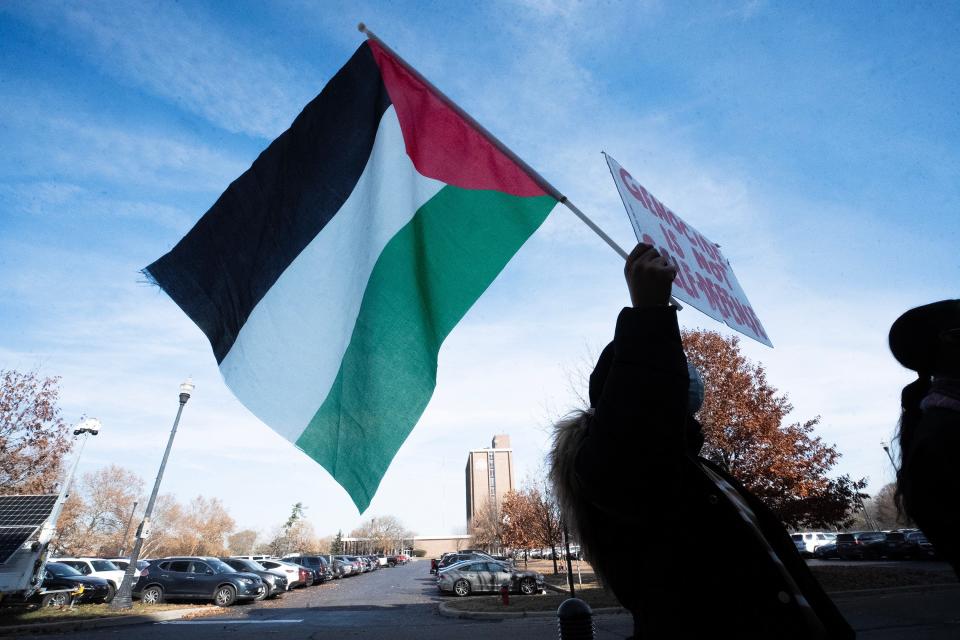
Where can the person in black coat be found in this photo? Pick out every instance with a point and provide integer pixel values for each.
(927, 340)
(682, 545)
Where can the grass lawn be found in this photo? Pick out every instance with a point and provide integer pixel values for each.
(850, 578)
(832, 578)
(14, 616)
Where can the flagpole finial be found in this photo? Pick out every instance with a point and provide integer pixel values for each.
(362, 28)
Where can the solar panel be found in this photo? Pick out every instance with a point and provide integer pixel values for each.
(25, 511)
(12, 538)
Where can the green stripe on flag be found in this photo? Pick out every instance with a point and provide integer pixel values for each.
(425, 281)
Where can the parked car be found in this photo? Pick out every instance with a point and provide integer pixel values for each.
(362, 562)
(873, 545)
(460, 557)
(273, 583)
(97, 568)
(296, 575)
(896, 546)
(123, 563)
(348, 567)
(826, 551)
(482, 576)
(365, 563)
(798, 543)
(435, 563)
(62, 585)
(355, 563)
(859, 545)
(196, 578)
(813, 539)
(318, 564)
(923, 547)
(341, 568)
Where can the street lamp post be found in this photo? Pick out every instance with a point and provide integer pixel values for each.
(124, 597)
(89, 427)
(886, 448)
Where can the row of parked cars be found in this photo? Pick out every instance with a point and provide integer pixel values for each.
(898, 544)
(559, 552)
(68, 580)
(222, 580)
(471, 571)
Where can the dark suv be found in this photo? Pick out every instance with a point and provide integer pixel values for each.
(320, 566)
(196, 578)
(873, 545)
(273, 584)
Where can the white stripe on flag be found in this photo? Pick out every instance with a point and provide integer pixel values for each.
(288, 353)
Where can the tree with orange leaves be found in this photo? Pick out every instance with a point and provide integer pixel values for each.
(516, 522)
(785, 465)
(34, 438)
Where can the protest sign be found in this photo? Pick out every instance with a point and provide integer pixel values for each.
(705, 279)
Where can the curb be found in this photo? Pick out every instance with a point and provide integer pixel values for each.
(98, 623)
(940, 586)
(445, 610)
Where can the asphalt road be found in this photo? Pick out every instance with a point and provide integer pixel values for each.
(398, 603)
(401, 603)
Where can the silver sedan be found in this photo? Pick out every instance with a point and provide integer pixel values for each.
(474, 576)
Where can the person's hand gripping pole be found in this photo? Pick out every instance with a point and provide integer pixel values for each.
(649, 277)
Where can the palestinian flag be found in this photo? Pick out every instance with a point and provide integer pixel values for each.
(327, 276)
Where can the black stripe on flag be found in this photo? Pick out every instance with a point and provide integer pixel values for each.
(225, 265)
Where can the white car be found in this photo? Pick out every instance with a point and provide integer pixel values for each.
(812, 540)
(98, 568)
(123, 563)
(288, 570)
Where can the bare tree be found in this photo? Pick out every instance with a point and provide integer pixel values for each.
(206, 527)
(166, 523)
(95, 518)
(33, 436)
(242, 542)
(383, 534)
(881, 511)
(487, 527)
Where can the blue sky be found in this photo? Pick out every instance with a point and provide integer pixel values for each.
(817, 143)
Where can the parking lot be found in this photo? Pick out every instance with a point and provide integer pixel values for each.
(402, 603)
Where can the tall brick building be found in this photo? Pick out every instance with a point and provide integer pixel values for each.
(489, 475)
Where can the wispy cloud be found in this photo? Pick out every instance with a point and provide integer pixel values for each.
(84, 147)
(64, 200)
(183, 57)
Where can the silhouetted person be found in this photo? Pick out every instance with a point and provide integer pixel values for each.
(927, 340)
(683, 545)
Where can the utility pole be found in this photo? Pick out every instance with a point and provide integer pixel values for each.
(126, 531)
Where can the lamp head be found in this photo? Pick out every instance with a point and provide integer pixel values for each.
(186, 389)
(90, 425)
